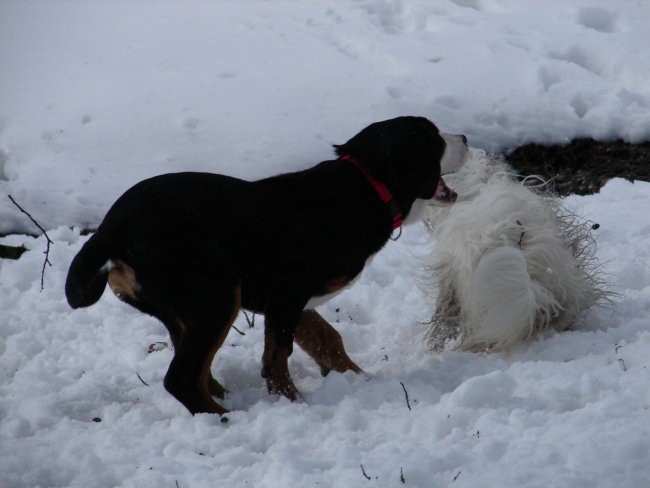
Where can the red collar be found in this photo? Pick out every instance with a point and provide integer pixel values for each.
(381, 189)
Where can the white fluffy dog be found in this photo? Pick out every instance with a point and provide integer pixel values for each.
(509, 260)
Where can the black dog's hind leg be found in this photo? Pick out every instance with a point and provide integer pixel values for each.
(200, 295)
(118, 276)
(205, 330)
(176, 330)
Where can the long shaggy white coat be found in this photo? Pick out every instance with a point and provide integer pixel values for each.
(509, 260)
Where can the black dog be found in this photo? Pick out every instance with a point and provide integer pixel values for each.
(192, 248)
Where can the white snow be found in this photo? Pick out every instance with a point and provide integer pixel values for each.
(96, 95)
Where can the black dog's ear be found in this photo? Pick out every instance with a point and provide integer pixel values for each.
(397, 149)
(418, 156)
(371, 147)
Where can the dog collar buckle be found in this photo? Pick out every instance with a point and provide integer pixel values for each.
(383, 192)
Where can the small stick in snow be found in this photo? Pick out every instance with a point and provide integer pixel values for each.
(401, 475)
(365, 475)
(140, 378)
(49, 241)
(239, 331)
(406, 394)
(457, 475)
(621, 363)
(251, 321)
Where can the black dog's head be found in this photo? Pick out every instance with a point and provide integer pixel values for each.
(403, 153)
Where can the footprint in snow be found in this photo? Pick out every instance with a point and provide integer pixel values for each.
(191, 123)
(598, 19)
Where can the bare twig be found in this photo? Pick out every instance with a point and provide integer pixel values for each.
(406, 394)
(621, 362)
(401, 475)
(457, 475)
(239, 331)
(140, 378)
(250, 320)
(49, 241)
(365, 475)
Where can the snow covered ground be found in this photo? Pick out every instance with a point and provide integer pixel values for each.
(96, 95)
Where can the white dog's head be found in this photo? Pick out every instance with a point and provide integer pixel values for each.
(456, 153)
(453, 159)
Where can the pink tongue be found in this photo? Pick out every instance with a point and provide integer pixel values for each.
(443, 192)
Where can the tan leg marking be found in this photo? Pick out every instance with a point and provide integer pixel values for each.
(323, 343)
(215, 388)
(207, 384)
(336, 284)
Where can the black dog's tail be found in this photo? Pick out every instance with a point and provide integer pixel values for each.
(87, 275)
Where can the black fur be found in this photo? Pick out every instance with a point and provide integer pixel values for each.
(199, 242)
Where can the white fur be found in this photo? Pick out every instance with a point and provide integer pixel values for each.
(455, 155)
(508, 261)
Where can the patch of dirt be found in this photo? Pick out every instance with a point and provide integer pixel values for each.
(584, 165)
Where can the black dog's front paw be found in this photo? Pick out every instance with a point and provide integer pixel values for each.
(282, 386)
(279, 381)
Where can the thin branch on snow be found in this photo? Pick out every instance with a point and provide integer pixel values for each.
(621, 362)
(406, 394)
(239, 331)
(365, 475)
(49, 241)
(251, 321)
(140, 378)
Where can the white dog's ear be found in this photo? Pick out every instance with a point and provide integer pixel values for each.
(456, 153)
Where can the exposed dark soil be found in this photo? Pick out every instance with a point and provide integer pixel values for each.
(584, 165)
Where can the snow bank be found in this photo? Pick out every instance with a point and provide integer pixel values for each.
(567, 410)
